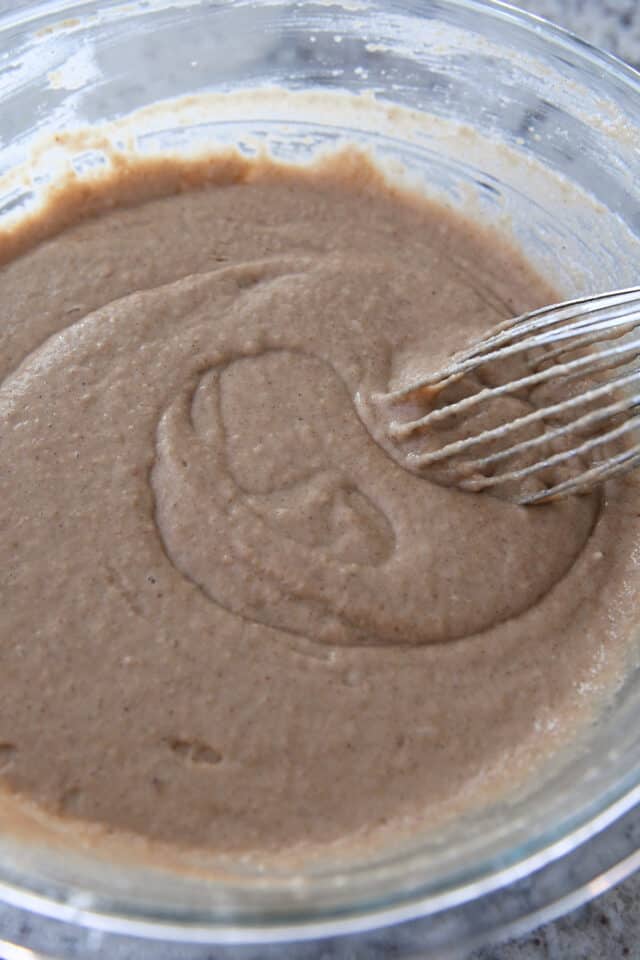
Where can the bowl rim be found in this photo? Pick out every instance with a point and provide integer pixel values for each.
(410, 906)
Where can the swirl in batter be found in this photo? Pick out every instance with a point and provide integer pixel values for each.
(248, 626)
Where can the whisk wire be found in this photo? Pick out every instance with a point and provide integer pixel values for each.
(598, 329)
(615, 467)
(581, 366)
(502, 346)
(588, 420)
(528, 419)
(482, 483)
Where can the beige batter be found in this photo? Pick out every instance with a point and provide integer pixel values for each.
(229, 619)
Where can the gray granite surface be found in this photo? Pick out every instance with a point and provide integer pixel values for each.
(608, 928)
(613, 25)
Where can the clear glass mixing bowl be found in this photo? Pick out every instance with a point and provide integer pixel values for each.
(493, 111)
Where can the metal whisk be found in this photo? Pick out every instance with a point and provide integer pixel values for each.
(581, 356)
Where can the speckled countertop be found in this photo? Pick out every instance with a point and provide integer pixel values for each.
(611, 24)
(606, 929)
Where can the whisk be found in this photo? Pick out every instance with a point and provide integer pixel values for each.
(581, 355)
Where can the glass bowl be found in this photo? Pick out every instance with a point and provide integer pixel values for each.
(492, 111)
